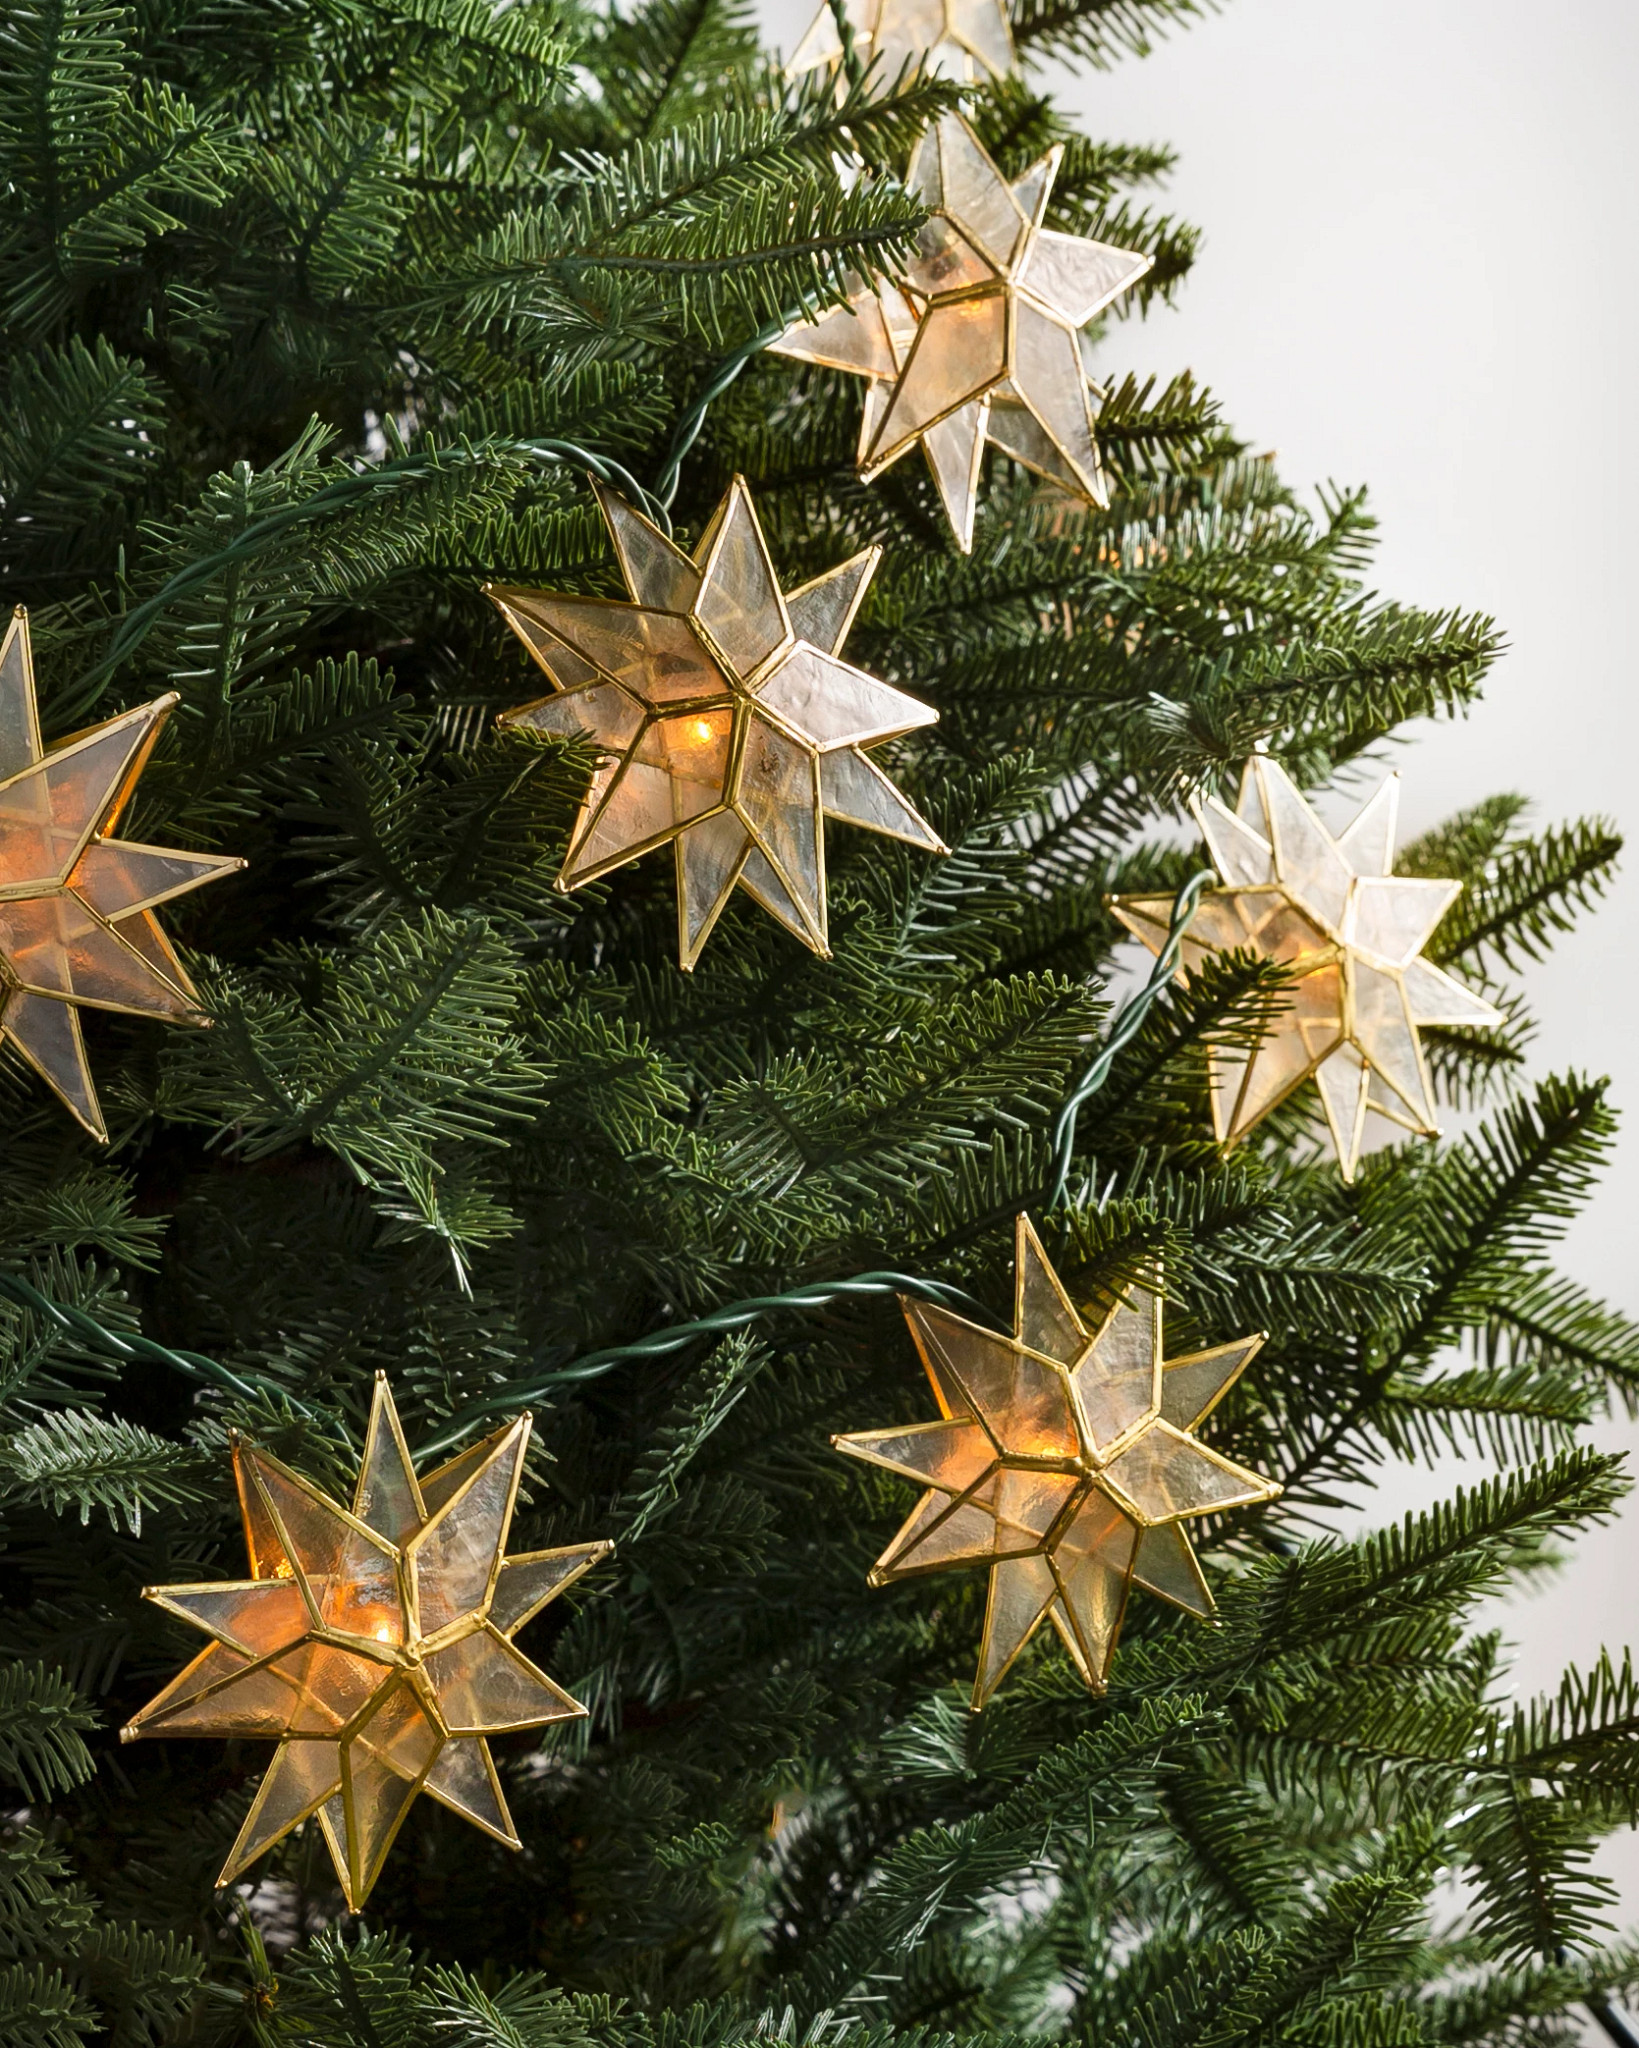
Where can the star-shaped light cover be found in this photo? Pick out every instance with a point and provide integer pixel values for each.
(77, 924)
(1350, 930)
(1065, 1461)
(980, 339)
(731, 726)
(374, 1645)
(964, 39)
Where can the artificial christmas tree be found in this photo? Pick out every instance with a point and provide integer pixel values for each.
(320, 316)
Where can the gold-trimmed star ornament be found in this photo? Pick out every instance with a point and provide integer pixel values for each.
(966, 39)
(731, 725)
(373, 1644)
(1350, 930)
(1065, 1460)
(980, 340)
(77, 924)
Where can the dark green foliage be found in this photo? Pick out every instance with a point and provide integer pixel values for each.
(310, 312)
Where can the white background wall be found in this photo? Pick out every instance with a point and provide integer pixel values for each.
(1421, 221)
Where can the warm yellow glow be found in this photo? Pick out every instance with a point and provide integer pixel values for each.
(384, 1634)
(702, 729)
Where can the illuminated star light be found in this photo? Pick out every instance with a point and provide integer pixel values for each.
(1350, 930)
(957, 38)
(730, 724)
(980, 339)
(375, 1645)
(1065, 1461)
(77, 924)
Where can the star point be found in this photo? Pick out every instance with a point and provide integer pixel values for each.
(1350, 931)
(373, 1643)
(979, 342)
(1065, 1461)
(965, 39)
(731, 725)
(77, 924)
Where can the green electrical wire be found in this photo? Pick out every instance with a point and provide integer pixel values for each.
(661, 1343)
(1127, 1027)
(192, 1365)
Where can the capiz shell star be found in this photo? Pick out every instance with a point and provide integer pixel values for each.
(1066, 1462)
(77, 924)
(1350, 930)
(980, 339)
(732, 727)
(955, 38)
(373, 1644)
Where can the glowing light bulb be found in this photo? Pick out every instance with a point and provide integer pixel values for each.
(702, 729)
(384, 1634)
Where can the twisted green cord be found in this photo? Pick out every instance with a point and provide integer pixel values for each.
(676, 1336)
(1127, 1027)
(192, 1365)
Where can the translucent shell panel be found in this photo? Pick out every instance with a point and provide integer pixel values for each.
(945, 260)
(1048, 374)
(445, 1481)
(364, 1817)
(215, 1666)
(485, 1686)
(1165, 1565)
(19, 723)
(856, 791)
(48, 1035)
(1308, 862)
(949, 1455)
(1165, 1475)
(56, 947)
(1243, 857)
(656, 572)
(1368, 845)
(605, 712)
(116, 878)
(1043, 1315)
(739, 603)
(955, 449)
(1435, 997)
(464, 1779)
(316, 1535)
(1191, 1387)
(398, 1733)
(527, 1583)
(855, 338)
(328, 1686)
(960, 351)
(387, 1498)
(1021, 1401)
(1078, 277)
(709, 857)
(1026, 1505)
(654, 654)
(1117, 1379)
(1022, 1589)
(822, 611)
(50, 811)
(1017, 432)
(1093, 1564)
(939, 1532)
(361, 1597)
(456, 1555)
(975, 193)
(778, 797)
(1384, 1031)
(760, 882)
(1394, 916)
(257, 1616)
(301, 1777)
(833, 704)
